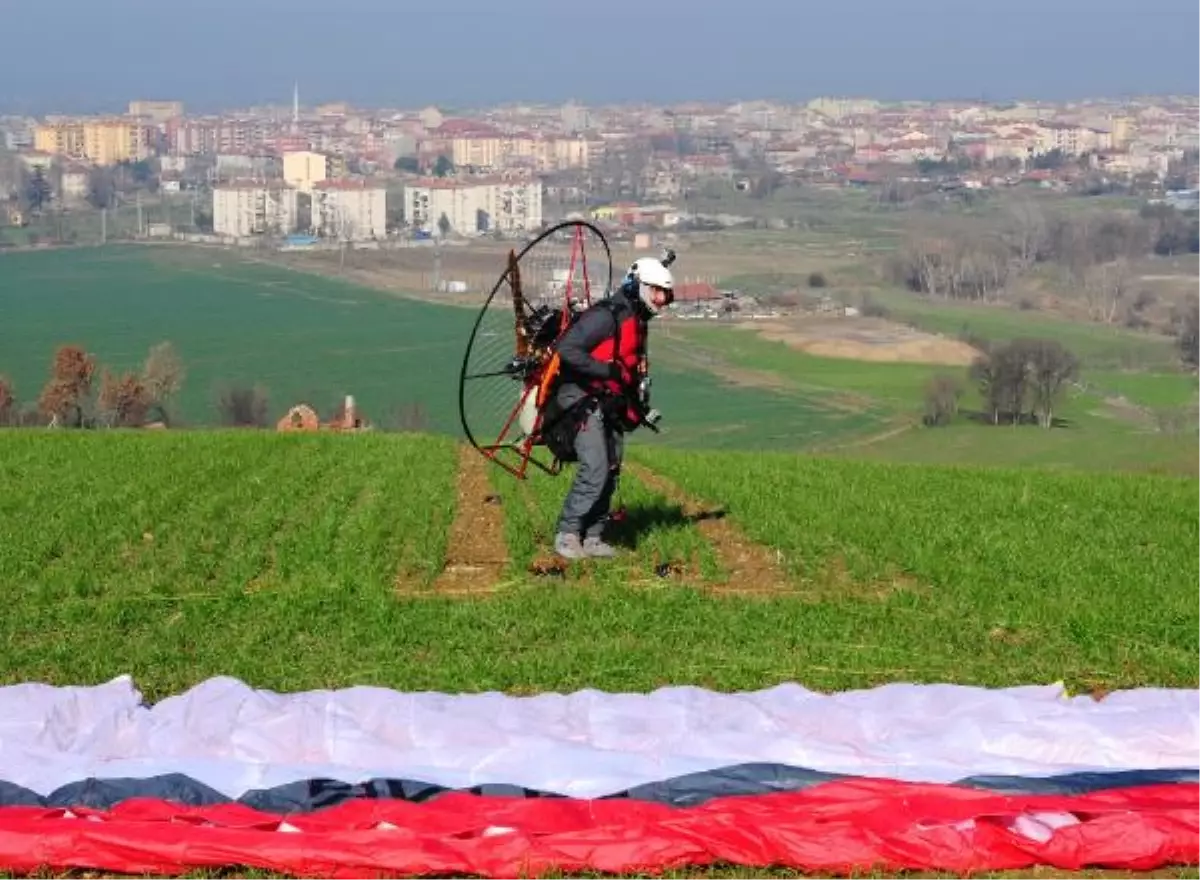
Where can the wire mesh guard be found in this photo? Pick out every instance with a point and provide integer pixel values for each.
(564, 270)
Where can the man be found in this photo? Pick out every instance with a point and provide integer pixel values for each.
(602, 359)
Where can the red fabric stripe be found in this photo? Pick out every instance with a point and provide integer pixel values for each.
(834, 827)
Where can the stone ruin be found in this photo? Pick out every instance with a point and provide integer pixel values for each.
(303, 417)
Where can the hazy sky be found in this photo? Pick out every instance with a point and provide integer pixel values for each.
(84, 55)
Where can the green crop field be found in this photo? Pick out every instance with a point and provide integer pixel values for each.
(314, 339)
(1098, 346)
(794, 522)
(308, 338)
(175, 556)
(304, 337)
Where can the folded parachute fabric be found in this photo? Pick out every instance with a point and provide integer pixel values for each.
(366, 781)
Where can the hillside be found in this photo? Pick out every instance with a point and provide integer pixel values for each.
(298, 337)
(176, 555)
(307, 338)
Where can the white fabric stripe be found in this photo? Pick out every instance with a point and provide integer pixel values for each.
(234, 738)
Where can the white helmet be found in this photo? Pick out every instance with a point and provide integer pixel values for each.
(649, 272)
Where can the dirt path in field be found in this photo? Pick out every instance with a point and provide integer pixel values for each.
(476, 552)
(752, 568)
(863, 339)
(755, 569)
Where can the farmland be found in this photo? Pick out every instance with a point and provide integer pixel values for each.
(177, 555)
(855, 548)
(314, 339)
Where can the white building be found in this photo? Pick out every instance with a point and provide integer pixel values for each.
(349, 210)
(473, 206)
(76, 183)
(250, 208)
(303, 169)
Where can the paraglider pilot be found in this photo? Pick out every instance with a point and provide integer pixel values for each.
(600, 396)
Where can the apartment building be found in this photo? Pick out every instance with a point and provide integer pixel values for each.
(156, 111)
(304, 169)
(1070, 139)
(504, 151)
(475, 205)
(102, 141)
(246, 208)
(349, 210)
(197, 137)
(60, 138)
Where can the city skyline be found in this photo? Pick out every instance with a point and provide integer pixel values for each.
(373, 54)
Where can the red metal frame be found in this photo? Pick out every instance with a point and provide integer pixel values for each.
(525, 450)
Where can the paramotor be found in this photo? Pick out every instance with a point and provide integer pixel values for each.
(509, 364)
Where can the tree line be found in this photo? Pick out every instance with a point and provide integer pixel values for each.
(1093, 250)
(82, 393)
(1019, 382)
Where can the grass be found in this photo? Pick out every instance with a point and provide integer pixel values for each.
(157, 550)
(660, 532)
(1092, 573)
(176, 556)
(303, 337)
(1088, 446)
(315, 339)
(1156, 390)
(1098, 346)
(890, 386)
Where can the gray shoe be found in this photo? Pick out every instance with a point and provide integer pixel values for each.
(597, 547)
(568, 546)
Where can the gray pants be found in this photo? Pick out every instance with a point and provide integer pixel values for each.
(600, 450)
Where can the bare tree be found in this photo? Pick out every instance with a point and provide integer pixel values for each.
(163, 374)
(956, 266)
(942, 394)
(1071, 249)
(1010, 373)
(65, 397)
(1025, 231)
(102, 187)
(122, 402)
(8, 402)
(241, 407)
(1012, 367)
(1049, 365)
(985, 373)
(1106, 288)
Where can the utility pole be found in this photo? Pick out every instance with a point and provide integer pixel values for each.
(104, 225)
(139, 213)
(437, 260)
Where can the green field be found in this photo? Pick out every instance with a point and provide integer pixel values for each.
(972, 554)
(313, 339)
(174, 556)
(1098, 346)
(304, 337)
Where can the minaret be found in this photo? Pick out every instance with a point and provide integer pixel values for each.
(296, 107)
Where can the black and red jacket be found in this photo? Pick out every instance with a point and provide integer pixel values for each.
(611, 331)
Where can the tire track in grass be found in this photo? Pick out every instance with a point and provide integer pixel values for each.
(477, 549)
(744, 567)
(519, 521)
(661, 544)
(656, 544)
